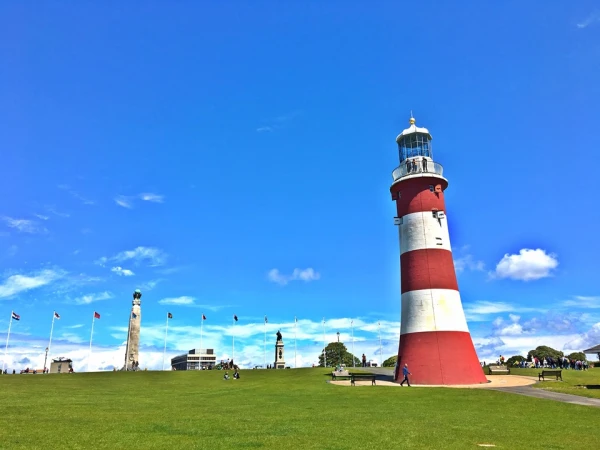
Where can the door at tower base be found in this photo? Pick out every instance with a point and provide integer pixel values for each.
(440, 357)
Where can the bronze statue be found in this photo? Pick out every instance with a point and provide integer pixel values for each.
(278, 336)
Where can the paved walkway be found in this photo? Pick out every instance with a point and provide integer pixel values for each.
(385, 374)
(549, 395)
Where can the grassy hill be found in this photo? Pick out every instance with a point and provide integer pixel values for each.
(293, 409)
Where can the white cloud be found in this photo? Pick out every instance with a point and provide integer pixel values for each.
(15, 284)
(149, 285)
(52, 210)
(123, 201)
(40, 216)
(91, 298)
(181, 301)
(298, 274)
(527, 265)
(120, 271)
(589, 20)
(479, 311)
(581, 301)
(149, 197)
(586, 340)
(468, 262)
(24, 225)
(264, 129)
(153, 256)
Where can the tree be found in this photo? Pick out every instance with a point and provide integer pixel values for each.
(391, 361)
(544, 351)
(337, 352)
(577, 356)
(514, 359)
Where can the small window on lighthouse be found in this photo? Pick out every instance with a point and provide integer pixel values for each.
(431, 187)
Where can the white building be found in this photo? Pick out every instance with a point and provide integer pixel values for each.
(195, 359)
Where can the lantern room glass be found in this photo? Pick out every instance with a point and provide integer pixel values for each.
(415, 144)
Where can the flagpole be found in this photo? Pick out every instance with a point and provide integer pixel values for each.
(353, 356)
(50, 343)
(324, 352)
(380, 349)
(201, 329)
(165, 350)
(7, 337)
(295, 339)
(232, 340)
(265, 346)
(91, 335)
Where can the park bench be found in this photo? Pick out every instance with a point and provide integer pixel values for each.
(550, 373)
(362, 376)
(340, 375)
(499, 370)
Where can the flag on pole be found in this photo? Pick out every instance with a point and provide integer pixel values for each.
(56, 315)
(203, 317)
(18, 317)
(266, 320)
(96, 315)
(295, 319)
(169, 315)
(235, 318)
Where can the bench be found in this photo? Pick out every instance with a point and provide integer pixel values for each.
(550, 373)
(493, 370)
(340, 375)
(362, 376)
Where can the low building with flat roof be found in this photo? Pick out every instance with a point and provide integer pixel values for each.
(195, 359)
(61, 365)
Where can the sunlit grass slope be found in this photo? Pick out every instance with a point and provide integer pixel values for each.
(285, 409)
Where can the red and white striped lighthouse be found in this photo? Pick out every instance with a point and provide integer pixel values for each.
(434, 338)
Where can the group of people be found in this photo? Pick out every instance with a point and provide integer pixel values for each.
(551, 363)
(412, 166)
(236, 375)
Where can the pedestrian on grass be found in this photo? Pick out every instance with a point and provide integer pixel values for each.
(406, 373)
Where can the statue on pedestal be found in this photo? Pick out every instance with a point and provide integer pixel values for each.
(279, 336)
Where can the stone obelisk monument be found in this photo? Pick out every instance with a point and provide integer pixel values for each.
(133, 334)
(279, 357)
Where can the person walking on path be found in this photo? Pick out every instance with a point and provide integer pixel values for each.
(406, 373)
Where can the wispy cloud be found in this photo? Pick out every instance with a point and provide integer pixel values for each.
(527, 265)
(181, 301)
(277, 122)
(42, 217)
(150, 197)
(123, 201)
(481, 310)
(91, 298)
(24, 225)
(127, 201)
(123, 272)
(16, 284)
(151, 255)
(149, 285)
(298, 274)
(76, 194)
(594, 17)
(52, 210)
(582, 301)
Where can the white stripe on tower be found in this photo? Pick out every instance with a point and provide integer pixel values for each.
(421, 230)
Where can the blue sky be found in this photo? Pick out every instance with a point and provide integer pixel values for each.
(236, 159)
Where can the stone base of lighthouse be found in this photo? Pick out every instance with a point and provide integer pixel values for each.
(440, 357)
(279, 356)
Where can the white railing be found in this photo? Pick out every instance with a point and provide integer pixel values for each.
(417, 168)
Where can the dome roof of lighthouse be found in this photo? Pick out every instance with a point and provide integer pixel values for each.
(413, 129)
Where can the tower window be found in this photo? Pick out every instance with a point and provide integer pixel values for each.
(431, 188)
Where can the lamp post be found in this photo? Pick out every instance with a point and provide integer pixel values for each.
(46, 358)
(339, 349)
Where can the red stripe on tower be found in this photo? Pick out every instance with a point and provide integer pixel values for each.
(434, 337)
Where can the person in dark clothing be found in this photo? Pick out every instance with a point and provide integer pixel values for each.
(406, 373)
(364, 360)
(424, 164)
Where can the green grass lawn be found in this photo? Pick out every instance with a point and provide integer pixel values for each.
(283, 409)
(585, 383)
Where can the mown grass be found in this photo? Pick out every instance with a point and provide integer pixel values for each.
(284, 409)
(585, 383)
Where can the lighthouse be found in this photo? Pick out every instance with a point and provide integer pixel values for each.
(434, 337)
